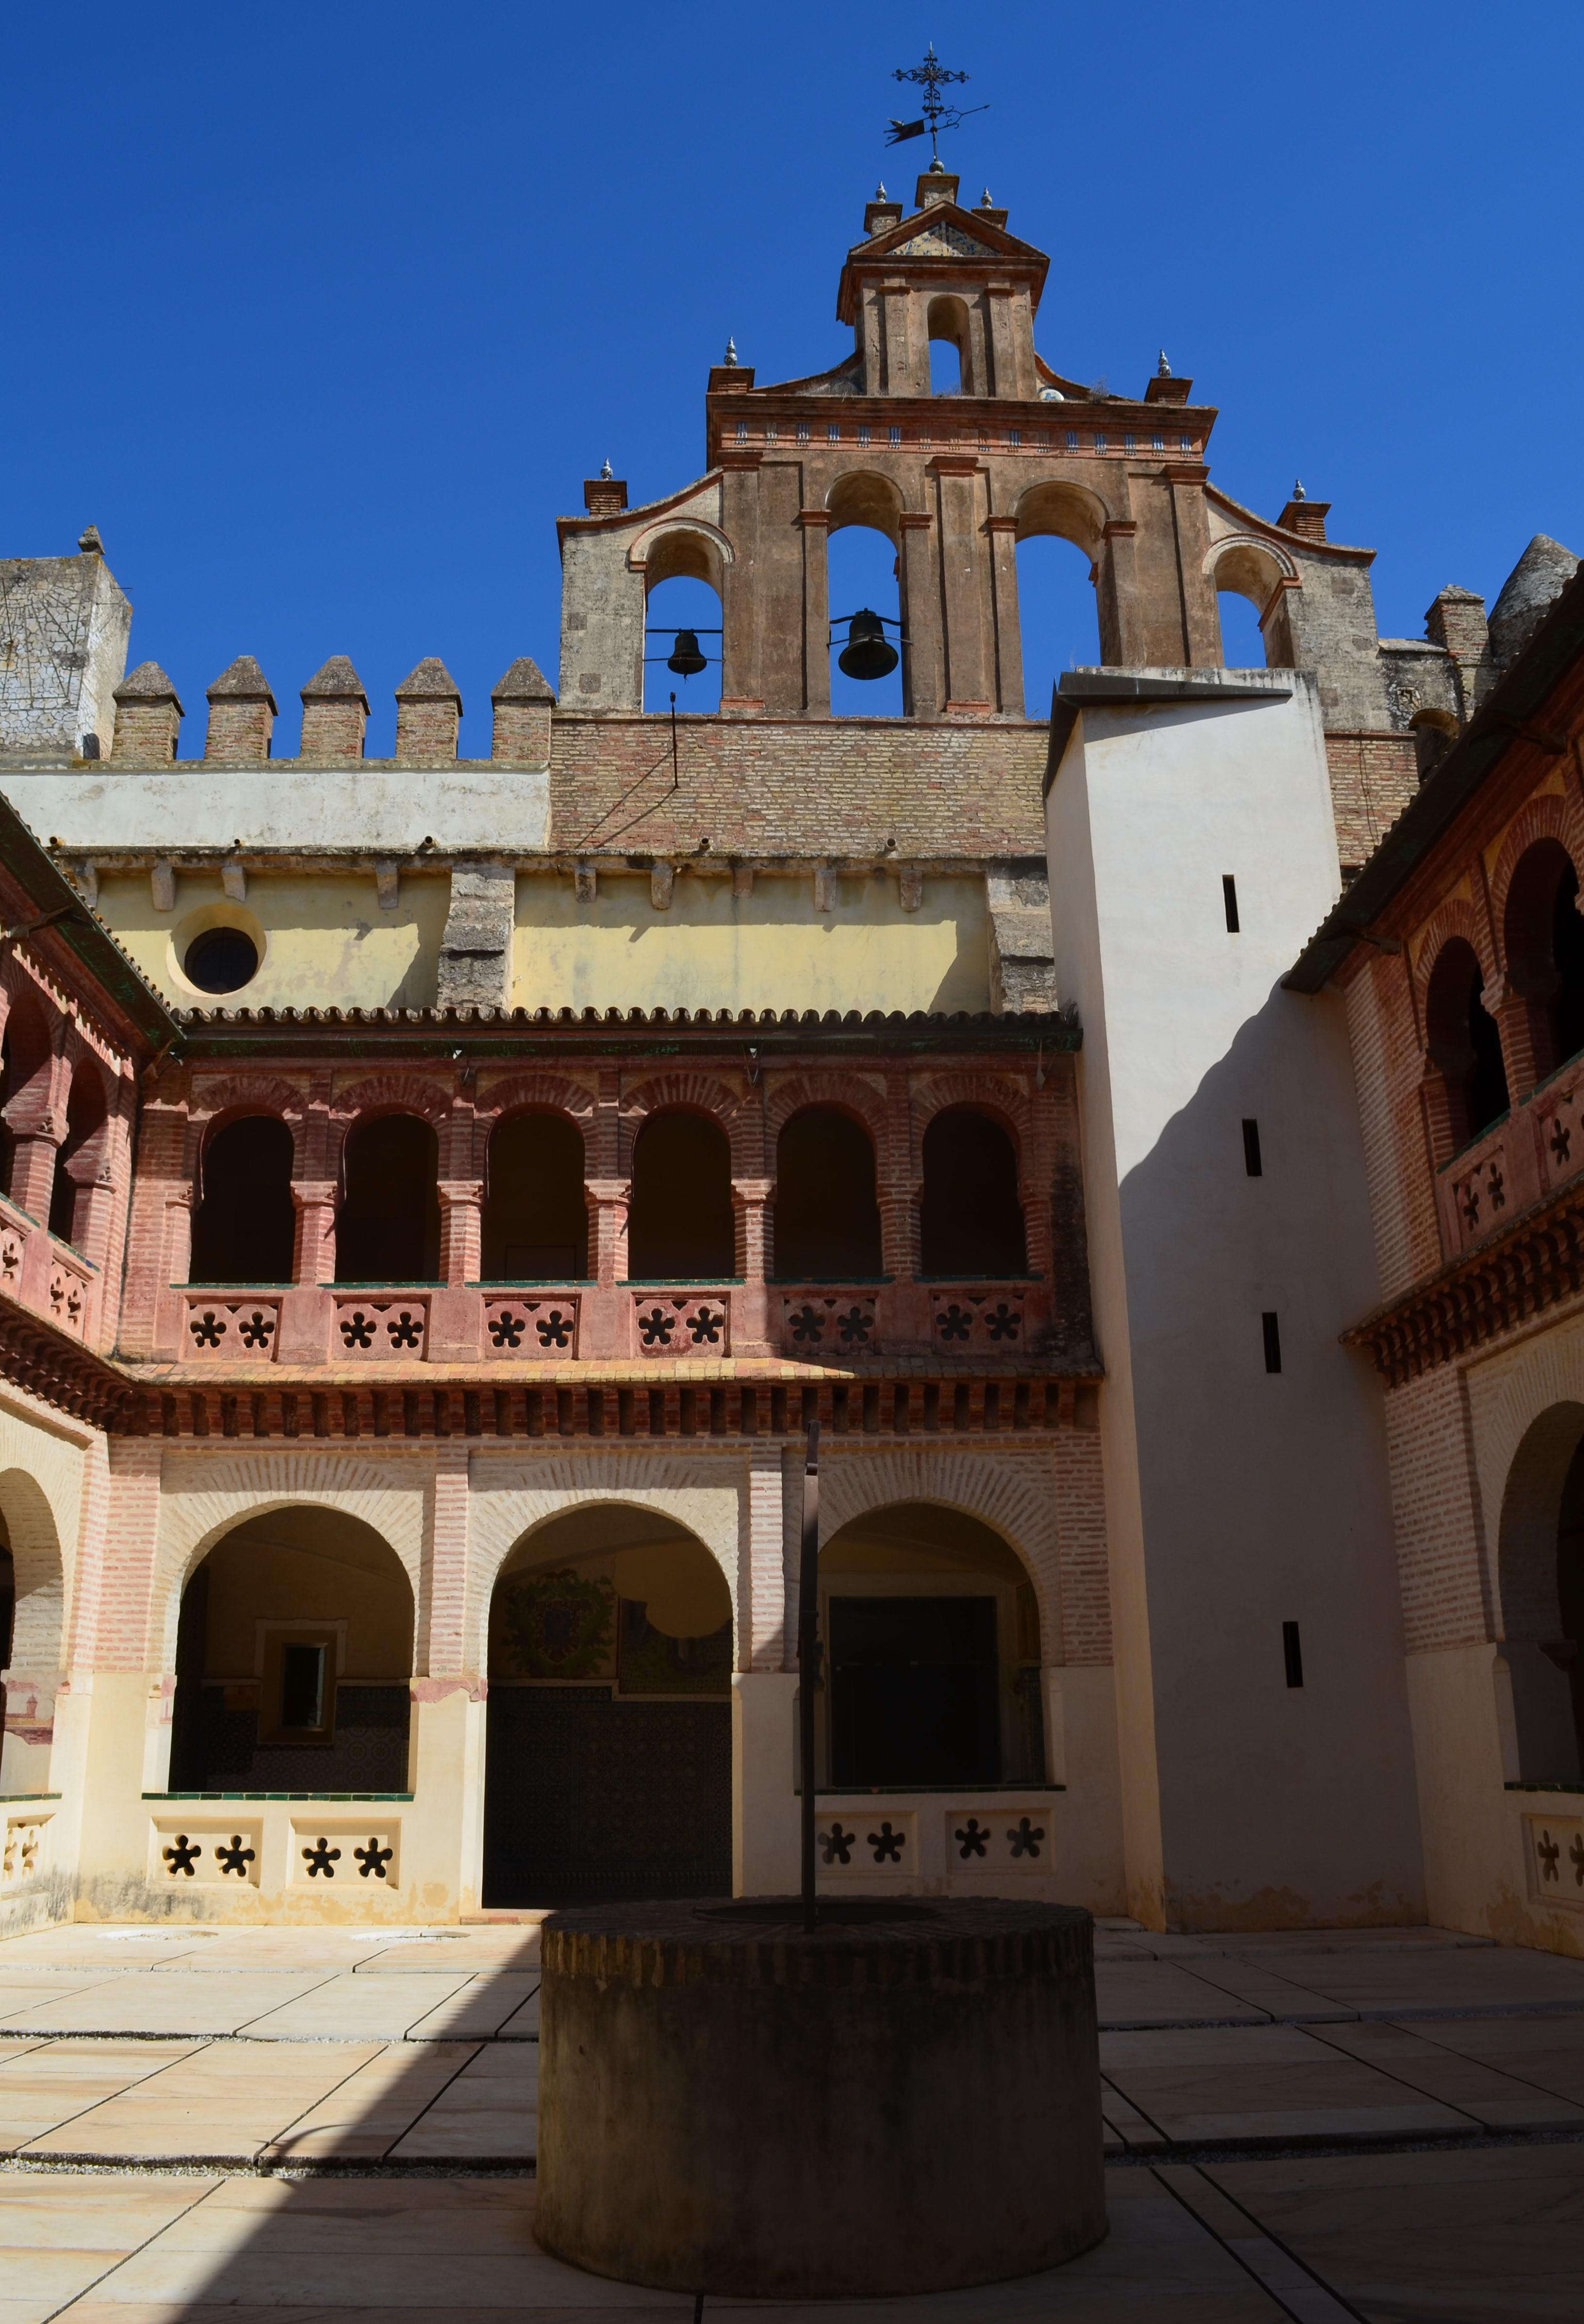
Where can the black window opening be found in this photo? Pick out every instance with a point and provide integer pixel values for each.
(302, 1687)
(1291, 1653)
(1272, 1330)
(915, 1691)
(1229, 898)
(1252, 1163)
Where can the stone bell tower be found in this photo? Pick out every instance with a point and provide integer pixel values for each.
(954, 481)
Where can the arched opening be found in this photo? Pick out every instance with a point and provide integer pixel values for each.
(862, 576)
(85, 1113)
(244, 1228)
(951, 347)
(32, 1611)
(1464, 1043)
(683, 573)
(535, 1219)
(1256, 633)
(971, 1219)
(827, 1221)
(7, 1624)
(680, 1227)
(1434, 732)
(1060, 537)
(294, 1660)
(1544, 945)
(1541, 1578)
(609, 1761)
(931, 1647)
(25, 1061)
(388, 1228)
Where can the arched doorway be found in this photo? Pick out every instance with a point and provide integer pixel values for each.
(932, 1655)
(1540, 1581)
(609, 1764)
(294, 1660)
(32, 1606)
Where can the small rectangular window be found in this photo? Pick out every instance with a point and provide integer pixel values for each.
(925, 438)
(742, 431)
(1100, 439)
(1230, 898)
(770, 431)
(1157, 443)
(832, 432)
(1072, 439)
(1129, 442)
(1184, 443)
(1014, 434)
(803, 431)
(302, 1686)
(1291, 1653)
(1273, 1340)
(863, 433)
(1251, 1161)
(896, 435)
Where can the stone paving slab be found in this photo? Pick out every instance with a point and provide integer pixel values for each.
(362, 2118)
(221, 2104)
(1163, 1993)
(1409, 1984)
(60, 2237)
(1265, 2082)
(490, 2112)
(1483, 2238)
(134, 2002)
(507, 2005)
(363, 2009)
(1422, 2057)
(61, 2081)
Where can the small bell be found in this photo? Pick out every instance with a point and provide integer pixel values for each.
(687, 660)
(868, 652)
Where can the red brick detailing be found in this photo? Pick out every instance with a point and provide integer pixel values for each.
(1080, 1535)
(1441, 1551)
(1549, 814)
(442, 1611)
(1372, 777)
(706, 1093)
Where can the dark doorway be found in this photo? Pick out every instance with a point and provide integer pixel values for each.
(389, 1230)
(827, 1221)
(536, 1220)
(605, 1799)
(244, 1228)
(915, 1691)
(971, 1221)
(680, 1228)
(1570, 1586)
(85, 1122)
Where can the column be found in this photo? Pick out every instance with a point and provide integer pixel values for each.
(127, 1680)
(607, 1323)
(750, 1200)
(32, 1166)
(902, 1309)
(1122, 637)
(765, 1813)
(443, 1834)
(741, 688)
(968, 684)
(923, 656)
(1202, 618)
(462, 1204)
(1002, 532)
(175, 1272)
(305, 1309)
(1510, 1008)
(817, 611)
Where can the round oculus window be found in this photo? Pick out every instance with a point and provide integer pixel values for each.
(221, 960)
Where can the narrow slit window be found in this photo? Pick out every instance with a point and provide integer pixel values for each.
(1272, 1341)
(1292, 1654)
(1230, 898)
(302, 1686)
(1251, 1161)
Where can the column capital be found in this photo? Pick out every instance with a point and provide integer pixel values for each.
(307, 1194)
(816, 517)
(752, 1190)
(455, 1191)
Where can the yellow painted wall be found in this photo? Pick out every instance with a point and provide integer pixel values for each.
(309, 1565)
(768, 950)
(326, 942)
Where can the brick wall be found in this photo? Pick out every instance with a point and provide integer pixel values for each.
(1436, 1514)
(1373, 778)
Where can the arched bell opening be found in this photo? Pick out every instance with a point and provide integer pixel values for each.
(867, 643)
(683, 621)
(931, 1660)
(294, 1659)
(1248, 578)
(244, 1224)
(951, 347)
(608, 1767)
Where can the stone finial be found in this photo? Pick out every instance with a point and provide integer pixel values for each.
(880, 192)
(242, 714)
(1163, 369)
(335, 713)
(523, 700)
(148, 718)
(729, 357)
(607, 474)
(985, 202)
(1526, 596)
(429, 711)
(89, 541)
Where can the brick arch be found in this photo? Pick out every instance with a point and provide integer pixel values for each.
(519, 1500)
(698, 1093)
(553, 1092)
(1014, 1498)
(395, 1094)
(858, 1095)
(214, 1101)
(202, 1503)
(1454, 917)
(35, 1530)
(1549, 815)
(992, 1094)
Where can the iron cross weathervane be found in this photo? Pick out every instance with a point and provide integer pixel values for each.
(932, 77)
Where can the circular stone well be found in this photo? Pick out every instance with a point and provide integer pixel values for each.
(908, 2101)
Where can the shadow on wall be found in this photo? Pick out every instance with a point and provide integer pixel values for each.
(1264, 1488)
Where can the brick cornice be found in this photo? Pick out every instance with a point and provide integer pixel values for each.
(52, 1365)
(1534, 1264)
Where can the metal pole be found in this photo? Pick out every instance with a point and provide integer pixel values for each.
(808, 1659)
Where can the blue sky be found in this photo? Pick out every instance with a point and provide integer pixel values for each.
(322, 314)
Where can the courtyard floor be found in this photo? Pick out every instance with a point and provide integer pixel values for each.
(331, 2126)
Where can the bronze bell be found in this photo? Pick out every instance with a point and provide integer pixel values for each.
(687, 660)
(867, 653)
